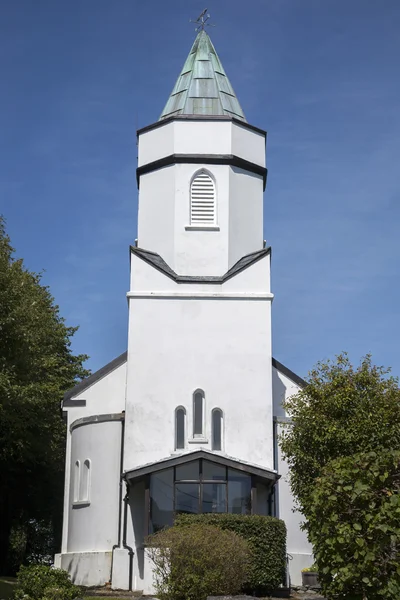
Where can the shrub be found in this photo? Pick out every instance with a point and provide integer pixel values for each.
(354, 526)
(266, 537)
(194, 562)
(40, 582)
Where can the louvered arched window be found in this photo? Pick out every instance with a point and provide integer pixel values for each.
(202, 200)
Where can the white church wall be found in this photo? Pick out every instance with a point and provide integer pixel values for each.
(178, 345)
(298, 547)
(202, 137)
(245, 214)
(156, 218)
(199, 251)
(93, 523)
(155, 143)
(248, 144)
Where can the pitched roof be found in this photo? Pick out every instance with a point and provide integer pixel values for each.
(122, 358)
(227, 461)
(155, 260)
(203, 87)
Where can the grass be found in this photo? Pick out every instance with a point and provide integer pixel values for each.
(7, 587)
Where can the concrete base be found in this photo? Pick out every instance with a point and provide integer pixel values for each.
(87, 568)
(298, 562)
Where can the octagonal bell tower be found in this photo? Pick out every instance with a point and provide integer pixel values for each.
(201, 173)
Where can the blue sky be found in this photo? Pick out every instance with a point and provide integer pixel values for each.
(322, 77)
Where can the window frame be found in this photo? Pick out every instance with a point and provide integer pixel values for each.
(207, 224)
(199, 437)
(220, 412)
(178, 409)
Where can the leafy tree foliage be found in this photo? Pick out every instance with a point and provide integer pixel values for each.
(354, 526)
(342, 411)
(343, 449)
(36, 368)
(193, 562)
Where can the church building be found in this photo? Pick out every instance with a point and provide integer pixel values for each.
(187, 419)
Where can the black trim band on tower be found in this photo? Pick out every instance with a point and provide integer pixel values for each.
(214, 118)
(197, 159)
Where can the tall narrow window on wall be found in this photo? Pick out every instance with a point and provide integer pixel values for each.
(77, 472)
(202, 200)
(216, 425)
(198, 413)
(85, 482)
(180, 417)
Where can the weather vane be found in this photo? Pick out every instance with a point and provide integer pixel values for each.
(201, 21)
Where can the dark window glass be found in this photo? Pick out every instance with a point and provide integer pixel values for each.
(213, 472)
(180, 428)
(198, 414)
(239, 492)
(188, 471)
(214, 498)
(161, 499)
(216, 430)
(187, 497)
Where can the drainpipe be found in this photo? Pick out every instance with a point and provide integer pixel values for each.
(125, 545)
(118, 544)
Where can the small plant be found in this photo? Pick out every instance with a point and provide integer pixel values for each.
(197, 561)
(312, 569)
(41, 582)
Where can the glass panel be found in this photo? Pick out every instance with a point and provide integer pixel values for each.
(239, 492)
(216, 430)
(188, 471)
(212, 471)
(198, 414)
(187, 497)
(263, 504)
(180, 428)
(161, 499)
(214, 498)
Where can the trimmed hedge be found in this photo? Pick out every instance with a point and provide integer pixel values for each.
(41, 582)
(266, 537)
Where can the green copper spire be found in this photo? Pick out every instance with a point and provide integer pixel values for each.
(203, 87)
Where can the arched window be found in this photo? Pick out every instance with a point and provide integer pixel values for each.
(77, 473)
(85, 482)
(216, 427)
(202, 200)
(180, 418)
(198, 413)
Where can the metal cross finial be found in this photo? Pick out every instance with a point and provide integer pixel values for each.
(201, 21)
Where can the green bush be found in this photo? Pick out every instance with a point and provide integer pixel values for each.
(194, 562)
(40, 582)
(266, 537)
(354, 526)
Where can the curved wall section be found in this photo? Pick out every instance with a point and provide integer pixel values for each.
(93, 508)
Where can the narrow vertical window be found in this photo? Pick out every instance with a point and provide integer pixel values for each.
(198, 411)
(180, 417)
(202, 200)
(85, 482)
(77, 472)
(216, 425)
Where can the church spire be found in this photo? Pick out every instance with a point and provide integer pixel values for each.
(203, 87)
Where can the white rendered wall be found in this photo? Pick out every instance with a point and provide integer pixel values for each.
(105, 396)
(220, 344)
(201, 136)
(95, 527)
(297, 543)
(164, 196)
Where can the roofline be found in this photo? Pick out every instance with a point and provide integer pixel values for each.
(200, 159)
(201, 118)
(292, 376)
(226, 461)
(122, 358)
(159, 264)
(94, 377)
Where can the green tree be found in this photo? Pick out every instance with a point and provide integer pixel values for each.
(36, 367)
(342, 411)
(354, 526)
